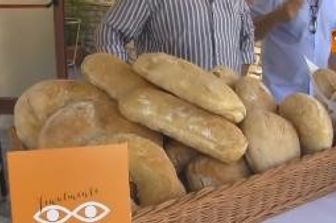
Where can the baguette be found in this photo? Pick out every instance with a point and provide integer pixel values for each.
(111, 74)
(191, 83)
(207, 133)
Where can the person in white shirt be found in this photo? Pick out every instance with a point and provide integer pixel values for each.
(291, 30)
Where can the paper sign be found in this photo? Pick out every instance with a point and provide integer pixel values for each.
(87, 184)
(333, 43)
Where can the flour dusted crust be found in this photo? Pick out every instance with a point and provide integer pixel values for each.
(111, 74)
(325, 80)
(207, 133)
(179, 154)
(72, 125)
(191, 83)
(272, 140)
(44, 98)
(78, 122)
(226, 74)
(254, 94)
(204, 171)
(150, 168)
(311, 121)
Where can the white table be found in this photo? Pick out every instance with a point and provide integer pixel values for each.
(319, 211)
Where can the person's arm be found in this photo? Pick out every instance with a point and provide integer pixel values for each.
(285, 13)
(246, 39)
(122, 23)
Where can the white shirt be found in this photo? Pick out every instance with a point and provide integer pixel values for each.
(207, 33)
(285, 70)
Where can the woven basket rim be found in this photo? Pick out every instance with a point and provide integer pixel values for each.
(235, 186)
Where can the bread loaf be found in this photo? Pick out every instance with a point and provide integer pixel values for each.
(179, 154)
(226, 74)
(254, 94)
(70, 126)
(325, 80)
(191, 83)
(311, 121)
(150, 168)
(78, 122)
(111, 74)
(44, 98)
(272, 140)
(208, 133)
(204, 172)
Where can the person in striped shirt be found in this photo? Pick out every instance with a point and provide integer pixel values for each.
(205, 32)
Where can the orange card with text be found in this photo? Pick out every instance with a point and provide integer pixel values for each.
(87, 184)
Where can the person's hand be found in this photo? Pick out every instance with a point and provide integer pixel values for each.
(290, 9)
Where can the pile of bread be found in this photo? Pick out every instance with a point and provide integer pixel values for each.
(181, 123)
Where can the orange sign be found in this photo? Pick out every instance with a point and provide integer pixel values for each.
(333, 50)
(87, 184)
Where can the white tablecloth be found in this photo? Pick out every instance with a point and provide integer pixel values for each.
(319, 211)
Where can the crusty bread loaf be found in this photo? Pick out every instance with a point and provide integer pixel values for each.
(226, 74)
(254, 94)
(111, 74)
(179, 154)
(325, 80)
(208, 133)
(78, 122)
(272, 140)
(72, 125)
(311, 121)
(150, 168)
(191, 83)
(205, 171)
(44, 98)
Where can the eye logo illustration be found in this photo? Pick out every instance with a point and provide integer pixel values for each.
(90, 210)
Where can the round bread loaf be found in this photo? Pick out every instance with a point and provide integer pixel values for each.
(41, 100)
(272, 140)
(72, 125)
(77, 122)
(325, 79)
(254, 94)
(311, 121)
(204, 171)
(226, 74)
(44, 99)
(150, 168)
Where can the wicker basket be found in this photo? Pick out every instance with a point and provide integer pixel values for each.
(251, 200)
(254, 199)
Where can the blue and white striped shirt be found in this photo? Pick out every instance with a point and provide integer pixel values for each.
(205, 32)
